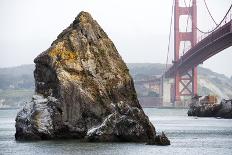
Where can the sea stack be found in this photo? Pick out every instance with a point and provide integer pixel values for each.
(83, 90)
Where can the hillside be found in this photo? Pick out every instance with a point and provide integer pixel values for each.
(20, 77)
(148, 69)
(17, 83)
(209, 82)
(214, 83)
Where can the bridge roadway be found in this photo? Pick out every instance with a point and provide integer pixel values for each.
(214, 43)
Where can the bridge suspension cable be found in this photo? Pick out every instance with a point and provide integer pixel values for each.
(204, 32)
(210, 13)
(170, 33)
(218, 25)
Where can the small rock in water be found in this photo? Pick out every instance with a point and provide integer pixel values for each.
(84, 91)
(162, 140)
(208, 106)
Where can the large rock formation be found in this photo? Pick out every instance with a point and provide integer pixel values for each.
(84, 91)
(208, 106)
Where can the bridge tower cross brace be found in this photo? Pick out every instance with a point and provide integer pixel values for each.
(188, 79)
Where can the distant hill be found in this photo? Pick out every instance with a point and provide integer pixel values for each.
(17, 83)
(20, 77)
(146, 68)
(209, 82)
(213, 83)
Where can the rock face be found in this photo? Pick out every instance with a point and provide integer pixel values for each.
(84, 91)
(206, 107)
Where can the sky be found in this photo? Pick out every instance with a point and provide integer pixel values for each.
(138, 28)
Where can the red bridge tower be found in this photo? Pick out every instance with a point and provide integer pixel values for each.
(186, 84)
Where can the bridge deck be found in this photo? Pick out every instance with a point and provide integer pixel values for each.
(203, 50)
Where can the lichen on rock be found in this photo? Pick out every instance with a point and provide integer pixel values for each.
(84, 91)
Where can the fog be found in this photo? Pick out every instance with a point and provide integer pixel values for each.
(139, 28)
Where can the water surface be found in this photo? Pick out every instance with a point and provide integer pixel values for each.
(188, 135)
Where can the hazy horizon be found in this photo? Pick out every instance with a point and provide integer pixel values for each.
(139, 29)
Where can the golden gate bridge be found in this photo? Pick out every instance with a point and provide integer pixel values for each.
(183, 70)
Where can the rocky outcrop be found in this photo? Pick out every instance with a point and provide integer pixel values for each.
(209, 107)
(162, 139)
(84, 91)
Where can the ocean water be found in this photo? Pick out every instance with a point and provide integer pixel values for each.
(188, 136)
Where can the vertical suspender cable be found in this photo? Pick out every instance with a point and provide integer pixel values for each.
(170, 33)
(186, 29)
